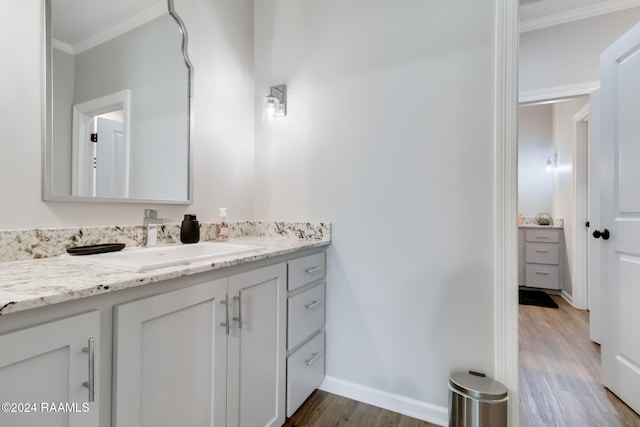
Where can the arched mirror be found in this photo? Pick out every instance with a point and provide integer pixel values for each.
(118, 93)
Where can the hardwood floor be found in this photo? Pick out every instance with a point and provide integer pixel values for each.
(560, 372)
(323, 409)
(559, 382)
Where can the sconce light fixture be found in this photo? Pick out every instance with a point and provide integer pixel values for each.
(552, 163)
(275, 104)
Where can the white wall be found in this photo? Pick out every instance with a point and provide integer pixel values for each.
(388, 136)
(62, 103)
(535, 145)
(158, 79)
(564, 201)
(569, 54)
(221, 49)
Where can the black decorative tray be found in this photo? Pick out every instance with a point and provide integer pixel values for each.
(96, 249)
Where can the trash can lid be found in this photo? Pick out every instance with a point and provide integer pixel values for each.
(477, 385)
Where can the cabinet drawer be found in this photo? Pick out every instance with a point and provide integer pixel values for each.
(542, 235)
(306, 315)
(305, 372)
(542, 253)
(306, 269)
(542, 276)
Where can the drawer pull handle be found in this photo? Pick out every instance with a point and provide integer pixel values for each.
(90, 350)
(312, 359)
(542, 251)
(312, 270)
(226, 324)
(313, 304)
(542, 237)
(239, 317)
(542, 272)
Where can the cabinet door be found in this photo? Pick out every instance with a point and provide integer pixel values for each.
(170, 359)
(257, 354)
(42, 371)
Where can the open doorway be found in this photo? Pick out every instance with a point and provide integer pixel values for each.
(560, 361)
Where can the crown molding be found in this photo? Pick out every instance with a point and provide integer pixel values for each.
(60, 45)
(123, 27)
(557, 93)
(577, 14)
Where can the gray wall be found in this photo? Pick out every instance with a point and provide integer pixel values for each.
(62, 103)
(389, 135)
(569, 54)
(535, 145)
(158, 79)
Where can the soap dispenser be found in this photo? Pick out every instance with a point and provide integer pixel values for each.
(190, 229)
(222, 228)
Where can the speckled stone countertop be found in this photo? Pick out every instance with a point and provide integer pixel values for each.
(32, 283)
(556, 227)
(558, 224)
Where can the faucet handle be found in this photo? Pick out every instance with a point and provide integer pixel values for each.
(151, 213)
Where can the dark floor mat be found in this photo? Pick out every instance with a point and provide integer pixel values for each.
(538, 298)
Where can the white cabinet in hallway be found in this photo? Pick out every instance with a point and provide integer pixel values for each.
(44, 373)
(541, 257)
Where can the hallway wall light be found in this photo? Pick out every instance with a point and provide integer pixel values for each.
(275, 104)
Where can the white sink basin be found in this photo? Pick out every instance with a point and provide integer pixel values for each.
(150, 258)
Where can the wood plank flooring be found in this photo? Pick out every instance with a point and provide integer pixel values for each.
(323, 409)
(560, 372)
(559, 382)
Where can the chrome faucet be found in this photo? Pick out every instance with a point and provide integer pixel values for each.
(150, 223)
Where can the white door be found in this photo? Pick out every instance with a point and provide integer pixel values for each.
(45, 366)
(593, 245)
(620, 152)
(111, 159)
(169, 359)
(257, 348)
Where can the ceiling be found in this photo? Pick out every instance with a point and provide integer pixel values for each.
(76, 20)
(569, 10)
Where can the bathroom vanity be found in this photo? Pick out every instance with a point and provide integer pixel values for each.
(540, 255)
(237, 342)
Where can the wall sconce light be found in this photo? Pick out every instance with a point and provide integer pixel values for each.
(552, 163)
(275, 104)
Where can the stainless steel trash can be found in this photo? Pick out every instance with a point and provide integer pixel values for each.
(476, 400)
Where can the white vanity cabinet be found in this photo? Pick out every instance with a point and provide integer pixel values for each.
(305, 328)
(206, 349)
(43, 369)
(542, 256)
(257, 351)
(207, 355)
(169, 358)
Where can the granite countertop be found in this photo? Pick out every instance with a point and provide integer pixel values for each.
(557, 227)
(28, 284)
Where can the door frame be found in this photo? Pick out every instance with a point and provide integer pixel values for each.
(505, 191)
(506, 97)
(81, 158)
(579, 288)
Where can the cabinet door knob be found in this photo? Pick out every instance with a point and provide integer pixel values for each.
(604, 234)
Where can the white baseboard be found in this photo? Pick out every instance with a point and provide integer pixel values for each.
(567, 297)
(404, 405)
